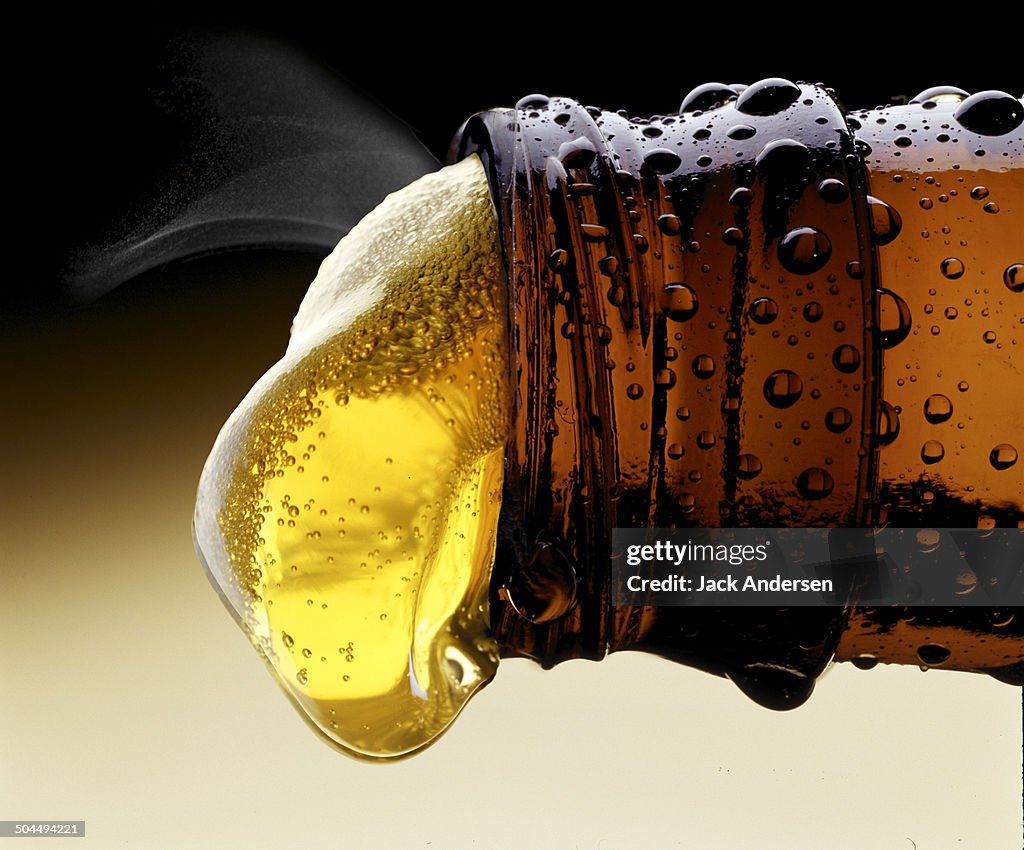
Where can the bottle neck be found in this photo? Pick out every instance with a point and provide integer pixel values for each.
(699, 333)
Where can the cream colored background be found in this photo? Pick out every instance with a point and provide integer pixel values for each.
(131, 700)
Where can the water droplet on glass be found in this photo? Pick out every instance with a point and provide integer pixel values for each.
(675, 451)
(952, 268)
(864, 661)
(1003, 456)
(888, 424)
(707, 96)
(703, 366)
(682, 413)
(940, 94)
(932, 654)
(669, 224)
(533, 101)
(804, 250)
(661, 161)
(932, 451)
(894, 319)
(813, 311)
(783, 158)
(937, 408)
(681, 302)
(634, 391)
(1013, 277)
(579, 153)
(783, 388)
(764, 311)
(838, 419)
(705, 439)
(557, 259)
(833, 191)
(989, 337)
(748, 466)
(846, 358)
(885, 221)
(739, 132)
(990, 113)
(302, 677)
(815, 483)
(767, 97)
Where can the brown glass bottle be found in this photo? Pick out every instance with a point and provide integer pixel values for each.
(756, 311)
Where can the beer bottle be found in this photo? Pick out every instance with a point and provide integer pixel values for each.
(754, 311)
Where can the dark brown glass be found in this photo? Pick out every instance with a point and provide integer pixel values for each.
(724, 317)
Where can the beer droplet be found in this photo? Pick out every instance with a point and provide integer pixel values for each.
(963, 386)
(815, 483)
(952, 268)
(748, 466)
(885, 221)
(1013, 277)
(764, 311)
(990, 113)
(932, 452)
(675, 451)
(682, 302)
(932, 654)
(979, 193)
(608, 265)
(594, 232)
(302, 677)
(804, 250)
(1003, 456)
(846, 359)
(894, 319)
(287, 640)
(783, 388)
(888, 424)
(634, 391)
(855, 270)
(838, 419)
(703, 366)
(732, 236)
(682, 413)
(767, 97)
(833, 191)
(813, 311)
(665, 378)
(989, 337)
(705, 439)
(707, 96)
(741, 196)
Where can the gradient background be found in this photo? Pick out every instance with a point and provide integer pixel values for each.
(132, 701)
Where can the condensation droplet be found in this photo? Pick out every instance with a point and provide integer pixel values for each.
(846, 358)
(681, 301)
(990, 113)
(764, 311)
(888, 424)
(952, 268)
(932, 451)
(833, 191)
(705, 439)
(703, 366)
(815, 483)
(634, 391)
(885, 221)
(937, 408)
(894, 319)
(748, 466)
(838, 419)
(675, 451)
(804, 250)
(768, 97)
(1003, 456)
(783, 388)
(1013, 277)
